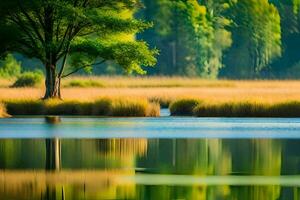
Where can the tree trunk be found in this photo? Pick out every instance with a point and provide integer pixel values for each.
(52, 83)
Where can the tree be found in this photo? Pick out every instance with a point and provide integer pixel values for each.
(288, 65)
(83, 31)
(191, 35)
(256, 35)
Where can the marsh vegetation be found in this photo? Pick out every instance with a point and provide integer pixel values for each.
(101, 107)
(182, 95)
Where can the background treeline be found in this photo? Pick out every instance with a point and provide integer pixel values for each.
(225, 38)
(239, 39)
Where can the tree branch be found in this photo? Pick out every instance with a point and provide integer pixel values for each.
(33, 44)
(33, 24)
(80, 68)
(64, 63)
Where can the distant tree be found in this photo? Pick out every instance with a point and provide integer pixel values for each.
(191, 35)
(256, 34)
(9, 67)
(84, 30)
(289, 64)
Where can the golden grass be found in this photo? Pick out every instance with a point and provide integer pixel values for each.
(184, 106)
(6, 82)
(164, 82)
(143, 82)
(248, 109)
(102, 107)
(173, 82)
(3, 112)
(165, 90)
(196, 107)
(275, 94)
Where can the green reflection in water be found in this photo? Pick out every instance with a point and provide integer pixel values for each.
(55, 169)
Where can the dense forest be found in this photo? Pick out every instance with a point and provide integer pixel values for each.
(238, 39)
(225, 38)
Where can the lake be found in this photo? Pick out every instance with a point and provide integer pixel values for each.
(150, 158)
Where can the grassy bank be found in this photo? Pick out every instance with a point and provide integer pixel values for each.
(101, 107)
(196, 107)
(213, 94)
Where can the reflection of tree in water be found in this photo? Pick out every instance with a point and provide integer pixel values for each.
(75, 169)
(213, 157)
(123, 148)
(115, 157)
(53, 154)
(256, 157)
(53, 163)
(185, 156)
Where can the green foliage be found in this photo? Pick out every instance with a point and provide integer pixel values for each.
(184, 106)
(211, 38)
(29, 79)
(10, 67)
(56, 32)
(224, 38)
(257, 38)
(191, 36)
(131, 55)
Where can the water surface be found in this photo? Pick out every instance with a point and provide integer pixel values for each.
(150, 158)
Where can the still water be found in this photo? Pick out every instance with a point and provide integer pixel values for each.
(150, 158)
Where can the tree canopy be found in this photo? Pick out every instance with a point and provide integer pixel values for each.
(82, 31)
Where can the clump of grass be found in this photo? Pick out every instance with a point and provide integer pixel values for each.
(129, 108)
(153, 110)
(183, 107)
(286, 109)
(29, 79)
(231, 109)
(58, 107)
(101, 107)
(3, 112)
(84, 83)
(163, 101)
(25, 107)
(248, 109)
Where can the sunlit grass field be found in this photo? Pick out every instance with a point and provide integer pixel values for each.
(165, 90)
